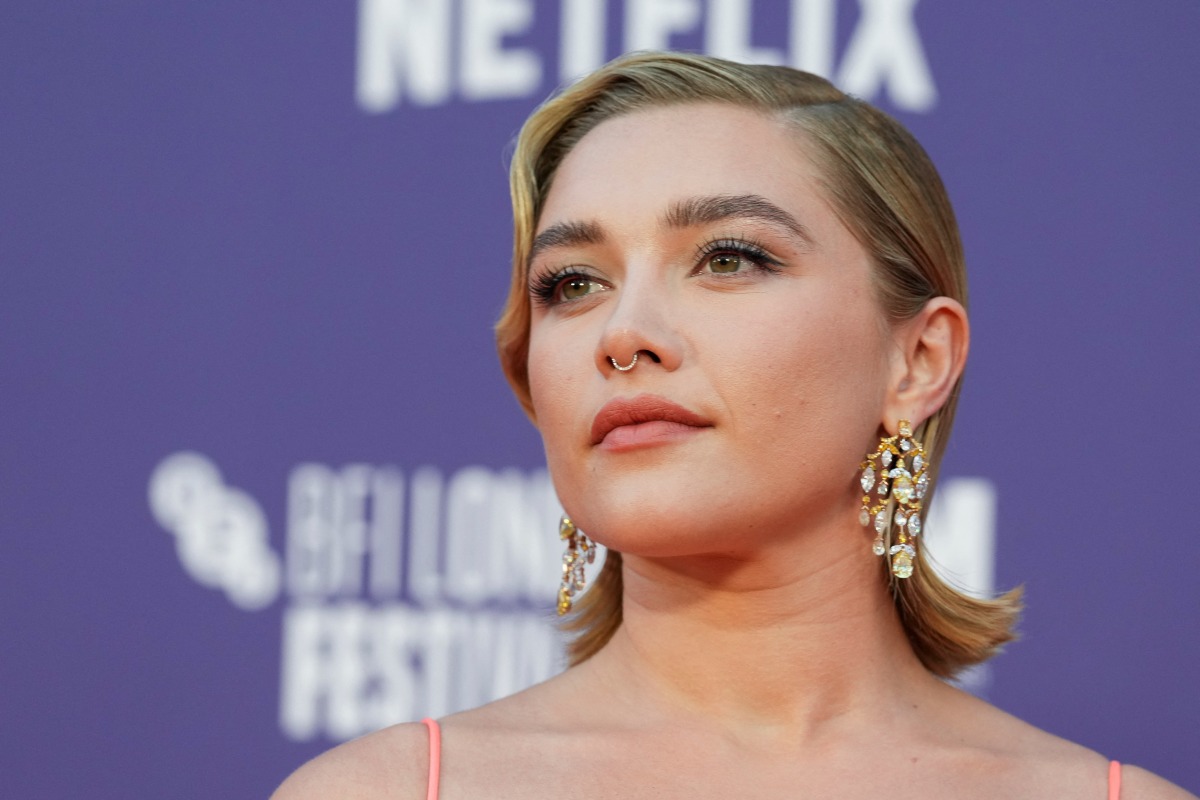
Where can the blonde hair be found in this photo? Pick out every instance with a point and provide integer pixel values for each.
(885, 190)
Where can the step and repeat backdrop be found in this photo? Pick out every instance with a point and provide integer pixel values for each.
(263, 487)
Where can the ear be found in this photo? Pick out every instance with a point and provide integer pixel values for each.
(930, 355)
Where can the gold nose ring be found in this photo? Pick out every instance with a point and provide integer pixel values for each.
(625, 368)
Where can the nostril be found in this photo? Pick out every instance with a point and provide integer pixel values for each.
(653, 356)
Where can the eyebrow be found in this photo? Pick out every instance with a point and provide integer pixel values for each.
(689, 213)
(697, 211)
(565, 234)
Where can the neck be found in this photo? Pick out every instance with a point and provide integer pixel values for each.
(776, 640)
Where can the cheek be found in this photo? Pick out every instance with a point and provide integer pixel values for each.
(554, 379)
(542, 377)
(809, 383)
(556, 383)
(840, 371)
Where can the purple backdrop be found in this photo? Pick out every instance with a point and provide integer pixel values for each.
(274, 236)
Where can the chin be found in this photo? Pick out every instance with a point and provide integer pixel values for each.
(659, 528)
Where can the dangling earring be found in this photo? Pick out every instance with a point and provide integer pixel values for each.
(901, 467)
(580, 550)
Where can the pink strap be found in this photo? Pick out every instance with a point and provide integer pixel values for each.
(435, 757)
(1114, 780)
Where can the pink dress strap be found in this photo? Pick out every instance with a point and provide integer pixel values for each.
(1114, 780)
(435, 757)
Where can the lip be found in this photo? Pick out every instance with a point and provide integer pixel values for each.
(648, 419)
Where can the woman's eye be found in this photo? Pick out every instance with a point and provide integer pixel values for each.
(550, 289)
(725, 263)
(735, 258)
(578, 286)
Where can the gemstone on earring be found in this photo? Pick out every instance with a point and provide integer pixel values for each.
(905, 427)
(914, 524)
(905, 445)
(922, 486)
(868, 479)
(918, 463)
(882, 490)
(878, 547)
(900, 519)
(881, 521)
(864, 517)
(566, 528)
(902, 485)
(886, 458)
(902, 560)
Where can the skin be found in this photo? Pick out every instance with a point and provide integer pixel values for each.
(760, 655)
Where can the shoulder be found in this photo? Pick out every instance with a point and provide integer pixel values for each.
(1138, 784)
(392, 763)
(1042, 764)
(1062, 766)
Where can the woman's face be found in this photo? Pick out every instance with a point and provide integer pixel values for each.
(700, 237)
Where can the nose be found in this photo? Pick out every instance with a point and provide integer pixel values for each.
(641, 326)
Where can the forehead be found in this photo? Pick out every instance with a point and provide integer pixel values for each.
(634, 165)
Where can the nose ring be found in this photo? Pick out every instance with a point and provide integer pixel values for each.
(625, 368)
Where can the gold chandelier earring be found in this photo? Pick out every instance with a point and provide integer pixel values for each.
(895, 476)
(580, 550)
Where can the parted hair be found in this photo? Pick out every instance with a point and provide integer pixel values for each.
(884, 189)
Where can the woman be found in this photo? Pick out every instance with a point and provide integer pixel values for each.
(729, 284)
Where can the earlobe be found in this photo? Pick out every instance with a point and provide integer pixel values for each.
(933, 347)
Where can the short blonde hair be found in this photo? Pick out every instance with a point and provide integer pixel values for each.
(885, 190)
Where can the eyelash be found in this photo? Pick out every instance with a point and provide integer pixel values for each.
(545, 287)
(744, 248)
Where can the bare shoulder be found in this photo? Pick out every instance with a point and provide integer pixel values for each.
(1057, 767)
(1138, 784)
(391, 763)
